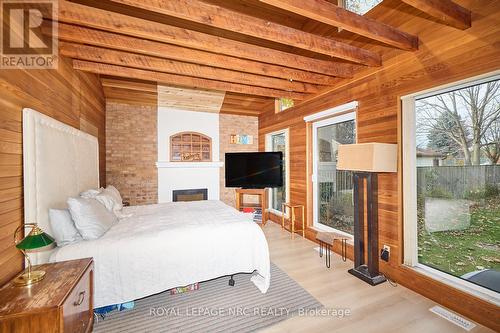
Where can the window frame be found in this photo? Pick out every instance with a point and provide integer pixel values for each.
(278, 104)
(350, 114)
(409, 187)
(269, 148)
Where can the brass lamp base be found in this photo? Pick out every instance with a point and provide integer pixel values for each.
(26, 279)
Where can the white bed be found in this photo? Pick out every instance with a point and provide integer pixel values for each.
(157, 247)
(170, 245)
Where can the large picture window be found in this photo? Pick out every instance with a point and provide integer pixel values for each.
(454, 184)
(278, 141)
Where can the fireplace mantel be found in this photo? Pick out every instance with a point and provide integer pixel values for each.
(166, 164)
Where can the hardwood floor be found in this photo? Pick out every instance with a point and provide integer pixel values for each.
(373, 309)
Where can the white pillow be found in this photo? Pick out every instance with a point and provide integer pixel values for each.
(91, 218)
(63, 227)
(116, 193)
(111, 199)
(90, 194)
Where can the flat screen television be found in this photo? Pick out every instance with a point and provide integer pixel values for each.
(254, 170)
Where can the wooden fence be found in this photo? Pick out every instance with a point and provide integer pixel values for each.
(457, 180)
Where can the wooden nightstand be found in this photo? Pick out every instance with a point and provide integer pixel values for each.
(262, 205)
(62, 302)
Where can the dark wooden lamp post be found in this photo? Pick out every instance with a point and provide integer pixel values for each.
(367, 160)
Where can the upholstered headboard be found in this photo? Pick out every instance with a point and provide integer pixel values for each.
(59, 162)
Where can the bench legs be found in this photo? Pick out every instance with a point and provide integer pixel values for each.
(328, 248)
(344, 249)
(328, 253)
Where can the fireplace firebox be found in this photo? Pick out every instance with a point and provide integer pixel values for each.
(190, 195)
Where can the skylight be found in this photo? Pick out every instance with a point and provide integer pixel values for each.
(360, 6)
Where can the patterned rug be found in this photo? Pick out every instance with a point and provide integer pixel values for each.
(215, 307)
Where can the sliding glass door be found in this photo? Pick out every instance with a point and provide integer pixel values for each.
(332, 188)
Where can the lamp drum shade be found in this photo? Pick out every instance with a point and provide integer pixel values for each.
(368, 157)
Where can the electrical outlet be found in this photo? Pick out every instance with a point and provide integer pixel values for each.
(385, 253)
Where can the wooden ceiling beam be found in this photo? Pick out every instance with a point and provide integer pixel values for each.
(243, 104)
(180, 80)
(124, 91)
(446, 11)
(222, 18)
(249, 98)
(82, 35)
(129, 85)
(246, 98)
(130, 101)
(255, 100)
(248, 103)
(96, 54)
(128, 94)
(238, 111)
(113, 22)
(328, 13)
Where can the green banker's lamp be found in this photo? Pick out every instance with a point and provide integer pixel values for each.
(36, 240)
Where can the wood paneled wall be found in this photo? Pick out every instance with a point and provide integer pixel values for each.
(445, 55)
(70, 96)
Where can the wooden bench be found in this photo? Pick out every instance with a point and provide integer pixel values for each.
(326, 241)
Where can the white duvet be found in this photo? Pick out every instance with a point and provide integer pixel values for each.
(159, 247)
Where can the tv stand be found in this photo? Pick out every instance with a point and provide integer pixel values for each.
(263, 200)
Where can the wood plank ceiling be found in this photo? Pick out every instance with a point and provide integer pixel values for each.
(190, 99)
(253, 50)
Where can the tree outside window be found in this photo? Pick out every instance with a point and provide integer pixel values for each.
(463, 123)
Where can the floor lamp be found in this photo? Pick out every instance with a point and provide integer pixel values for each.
(367, 160)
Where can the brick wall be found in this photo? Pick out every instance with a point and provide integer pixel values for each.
(232, 124)
(131, 151)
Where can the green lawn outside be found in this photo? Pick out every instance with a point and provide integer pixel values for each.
(463, 251)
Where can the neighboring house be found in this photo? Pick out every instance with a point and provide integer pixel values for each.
(429, 157)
